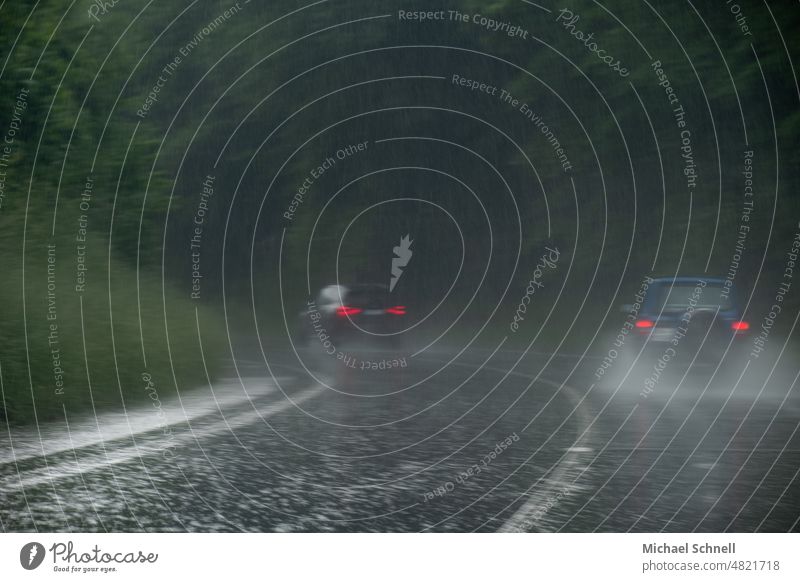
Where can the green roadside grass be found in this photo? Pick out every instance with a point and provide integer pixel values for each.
(67, 348)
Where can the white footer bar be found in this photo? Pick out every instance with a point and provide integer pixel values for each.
(400, 557)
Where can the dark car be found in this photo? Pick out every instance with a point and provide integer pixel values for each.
(368, 313)
(690, 318)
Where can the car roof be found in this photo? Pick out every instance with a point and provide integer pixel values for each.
(367, 287)
(688, 279)
(336, 292)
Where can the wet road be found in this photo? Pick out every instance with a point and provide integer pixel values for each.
(481, 441)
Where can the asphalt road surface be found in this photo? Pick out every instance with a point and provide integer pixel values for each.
(483, 440)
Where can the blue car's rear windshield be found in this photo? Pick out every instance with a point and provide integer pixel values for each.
(681, 295)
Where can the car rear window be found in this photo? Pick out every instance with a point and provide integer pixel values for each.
(368, 297)
(680, 294)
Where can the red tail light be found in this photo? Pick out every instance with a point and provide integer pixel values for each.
(344, 311)
(397, 310)
(644, 323)
(740, 326)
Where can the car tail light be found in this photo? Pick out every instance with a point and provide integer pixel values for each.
(345, 311)
(397, 310)
(740, 326)
(644, 323)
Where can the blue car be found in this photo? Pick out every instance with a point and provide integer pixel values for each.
(690, 318)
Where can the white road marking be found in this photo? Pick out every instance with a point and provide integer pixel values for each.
(557, 481)
(70, 468)
(112, 426)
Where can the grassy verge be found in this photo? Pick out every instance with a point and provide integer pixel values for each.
(74, 346)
